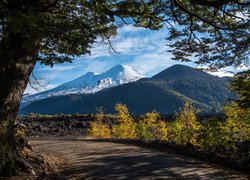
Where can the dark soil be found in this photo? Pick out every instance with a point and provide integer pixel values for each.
(56, 126)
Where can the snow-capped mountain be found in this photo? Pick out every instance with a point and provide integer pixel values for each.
(89, 83)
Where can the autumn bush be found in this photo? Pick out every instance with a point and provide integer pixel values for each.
(228, 138)
(99, 128)
(150, 127)
(125, 127)
(186, 127)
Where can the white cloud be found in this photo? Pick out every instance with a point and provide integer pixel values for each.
(221, 73)
(130, 40)
(57, 68)
(151, 64)
(229, 71)
(130, 28)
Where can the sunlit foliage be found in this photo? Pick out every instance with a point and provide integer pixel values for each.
(213, 134)
(241, 86)
(237, 126)
(185, 128)
(99, 128)
(125, 128)
(150, 127)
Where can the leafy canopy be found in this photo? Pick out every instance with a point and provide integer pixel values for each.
(215, 32)
(241, 86)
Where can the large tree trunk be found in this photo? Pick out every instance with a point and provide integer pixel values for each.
(16, 65)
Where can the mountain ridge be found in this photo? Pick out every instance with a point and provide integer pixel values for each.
(160, 92)
(89, 83)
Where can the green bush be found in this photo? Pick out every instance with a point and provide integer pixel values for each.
(211, 134)
(236, 128)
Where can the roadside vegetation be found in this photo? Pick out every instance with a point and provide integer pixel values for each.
(228, 139)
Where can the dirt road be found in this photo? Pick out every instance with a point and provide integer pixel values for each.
(107, 160)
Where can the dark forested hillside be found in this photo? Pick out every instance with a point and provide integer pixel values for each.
(165, 92)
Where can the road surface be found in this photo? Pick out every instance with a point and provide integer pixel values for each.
(88, 159)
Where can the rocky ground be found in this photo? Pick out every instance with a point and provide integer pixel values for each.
(56, 126)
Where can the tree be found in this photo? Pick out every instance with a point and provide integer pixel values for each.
(150, 127)
(237, 125)
(211, 136)
(241, 86)
(186, 127)
(99, 128)
(54, 31)
(126, 125)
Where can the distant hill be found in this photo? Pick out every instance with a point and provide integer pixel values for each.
(165, 92)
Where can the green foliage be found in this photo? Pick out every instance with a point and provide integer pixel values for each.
(185, 128)
(150, 127)
(126, 127)
(241, 86)
(211, 134)
(237, 126)
(228, 134)
(62, 29)
(99, 128)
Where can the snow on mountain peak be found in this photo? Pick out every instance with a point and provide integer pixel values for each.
(89, 83)
(123, 72)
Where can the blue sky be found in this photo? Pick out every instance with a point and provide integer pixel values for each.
(144, 50)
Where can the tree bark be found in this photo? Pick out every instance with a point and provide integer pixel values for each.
(16, 65)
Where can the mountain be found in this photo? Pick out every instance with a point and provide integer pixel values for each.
(89, 83)
(181, 71)
(165, 92)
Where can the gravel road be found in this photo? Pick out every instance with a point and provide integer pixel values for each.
(86, 159)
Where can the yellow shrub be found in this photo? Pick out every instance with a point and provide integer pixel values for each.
(185, 128)
(162, 131)
(99, 128)
(126, 125)
(151, 128)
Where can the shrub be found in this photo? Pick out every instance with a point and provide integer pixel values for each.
(126, 125)
(211, 134)
(236, 128)
(185, 128)
(151, 128)
(162, 131)
(99, 128)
